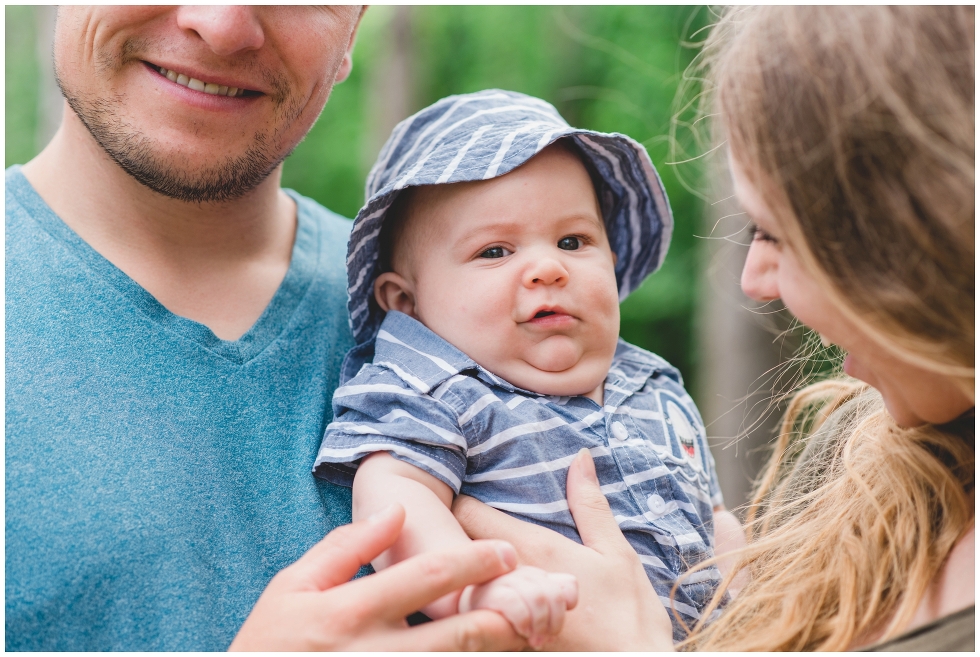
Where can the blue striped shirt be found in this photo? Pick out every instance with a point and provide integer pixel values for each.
(429, 404)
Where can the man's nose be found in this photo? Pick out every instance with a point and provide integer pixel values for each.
(545, 270)
(226, 29)
(760, 275)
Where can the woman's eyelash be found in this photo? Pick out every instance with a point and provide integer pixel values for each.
(761, 235)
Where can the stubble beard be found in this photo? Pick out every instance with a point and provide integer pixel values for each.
(226, 180)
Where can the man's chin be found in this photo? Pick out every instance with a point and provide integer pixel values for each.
(166, 171)
(227, 181)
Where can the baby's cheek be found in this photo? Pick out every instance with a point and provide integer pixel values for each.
(473, 316)
(602, 294)
(483, 306)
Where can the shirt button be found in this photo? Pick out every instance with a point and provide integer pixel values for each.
(619, 431)
(656, 504)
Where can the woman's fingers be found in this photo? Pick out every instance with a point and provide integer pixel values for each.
(619, 608)
(590, 509)
(336, 558)
(532, 542)
(729, 537)
(481, 521)
(408, 586)
(480, 630)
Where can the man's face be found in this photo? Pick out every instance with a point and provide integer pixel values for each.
(155, 87)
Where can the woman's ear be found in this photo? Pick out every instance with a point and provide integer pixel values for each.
(393, 292)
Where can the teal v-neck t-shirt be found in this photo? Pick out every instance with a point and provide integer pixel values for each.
(157, 477)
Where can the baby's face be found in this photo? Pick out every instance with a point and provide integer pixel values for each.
(516, 272)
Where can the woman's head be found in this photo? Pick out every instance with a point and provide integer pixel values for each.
(850, 134)
(913, 394)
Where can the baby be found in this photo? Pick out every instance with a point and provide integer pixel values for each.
(486, 272)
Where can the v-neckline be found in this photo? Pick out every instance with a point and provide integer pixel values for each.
(270, 324)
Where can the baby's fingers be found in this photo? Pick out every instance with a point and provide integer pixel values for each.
(563, 595)
(568, 586)
(533, 600)
(547, 596)
(502, 596)
(560, 594)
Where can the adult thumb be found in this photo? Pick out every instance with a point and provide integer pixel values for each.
(593, 518)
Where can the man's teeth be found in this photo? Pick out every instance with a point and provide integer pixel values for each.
(197, 85)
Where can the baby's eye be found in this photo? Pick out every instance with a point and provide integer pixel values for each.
(569, 243)
(495, 252)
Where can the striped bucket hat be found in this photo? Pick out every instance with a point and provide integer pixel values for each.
(484, 135)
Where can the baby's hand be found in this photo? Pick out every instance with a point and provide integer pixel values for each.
(533, 600)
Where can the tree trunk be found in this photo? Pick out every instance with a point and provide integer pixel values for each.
(391, 82)
(739, 353)
(50, 102)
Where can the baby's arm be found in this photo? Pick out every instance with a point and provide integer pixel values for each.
(531, 599)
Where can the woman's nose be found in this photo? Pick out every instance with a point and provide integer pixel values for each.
(226, 29)
(546, 270)
(760, 275)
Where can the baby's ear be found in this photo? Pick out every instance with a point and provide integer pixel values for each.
(393, 292)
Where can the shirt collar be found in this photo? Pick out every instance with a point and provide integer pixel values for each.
(632, 367)
(416, 354)
(423, 359)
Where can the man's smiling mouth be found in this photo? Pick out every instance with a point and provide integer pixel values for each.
(199, 85)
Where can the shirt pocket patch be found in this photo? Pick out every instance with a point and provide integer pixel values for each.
(684, 438)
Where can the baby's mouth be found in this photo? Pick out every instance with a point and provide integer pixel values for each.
(551, 318)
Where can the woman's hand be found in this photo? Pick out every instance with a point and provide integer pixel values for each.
(617, 607)
(312, 605)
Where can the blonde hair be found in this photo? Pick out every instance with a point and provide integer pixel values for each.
(851, 522)
(857, 126)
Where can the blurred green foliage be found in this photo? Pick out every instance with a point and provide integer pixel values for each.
(21, 76)
(607, 68)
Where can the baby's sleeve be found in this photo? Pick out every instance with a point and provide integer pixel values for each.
(378, 412)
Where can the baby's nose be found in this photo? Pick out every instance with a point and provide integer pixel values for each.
(546, 271)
